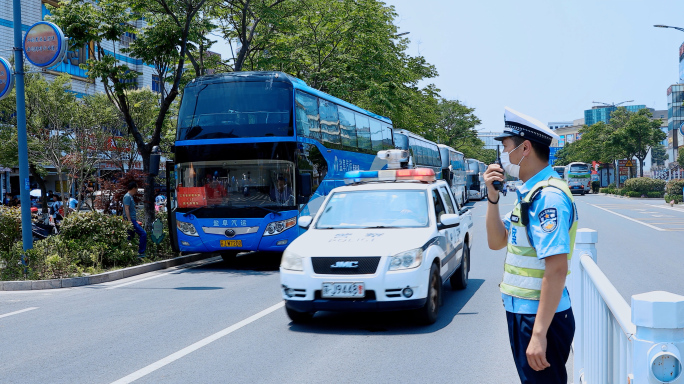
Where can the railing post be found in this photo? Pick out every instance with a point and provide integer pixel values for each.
(585, 244)
(659, 340)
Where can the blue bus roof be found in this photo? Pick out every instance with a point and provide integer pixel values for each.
(299, 84)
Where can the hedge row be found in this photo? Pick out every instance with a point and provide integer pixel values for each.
(674, 187)
(624, 192)
(89, 242)
(644, 185)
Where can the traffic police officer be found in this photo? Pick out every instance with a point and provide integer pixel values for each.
(539, 235)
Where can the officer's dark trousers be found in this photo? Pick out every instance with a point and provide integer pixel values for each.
(559, 338)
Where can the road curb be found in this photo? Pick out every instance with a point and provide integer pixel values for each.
(29, 285)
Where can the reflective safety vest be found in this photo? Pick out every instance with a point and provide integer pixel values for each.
(523, 271)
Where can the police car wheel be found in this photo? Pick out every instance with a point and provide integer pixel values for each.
(428, 313)
(299, 317)
(459, 280)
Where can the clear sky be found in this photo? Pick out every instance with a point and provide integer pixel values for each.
(546, 58)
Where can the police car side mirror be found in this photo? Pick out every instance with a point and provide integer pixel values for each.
(304, 221)
(449, 220)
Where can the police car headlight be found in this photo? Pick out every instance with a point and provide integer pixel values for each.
(186, 228)
(278, 227)
(406, 260)
(292, 261)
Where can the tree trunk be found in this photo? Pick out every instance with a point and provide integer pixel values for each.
(148, 196)
(41, 185)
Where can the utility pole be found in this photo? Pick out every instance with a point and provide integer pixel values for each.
(24, 186)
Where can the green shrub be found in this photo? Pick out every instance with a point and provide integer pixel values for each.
(643, 185)
(674, 187)
(98, 240)
(604, 190)
(655, 194)
(612, 186)
(595, 186)
(633, 194)
(10, 227)
(677, 198)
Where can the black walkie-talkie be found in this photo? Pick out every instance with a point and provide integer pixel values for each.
(498, 185)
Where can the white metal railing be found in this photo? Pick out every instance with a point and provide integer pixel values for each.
(668, 174)
(613, 342)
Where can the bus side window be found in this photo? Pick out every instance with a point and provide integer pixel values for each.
(387, 137)
(363, 132)
(348, 128)
(307, 116)
(376, 135)
(329, 122)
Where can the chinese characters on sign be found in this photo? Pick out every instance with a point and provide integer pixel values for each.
(190, 197)
(45, 44)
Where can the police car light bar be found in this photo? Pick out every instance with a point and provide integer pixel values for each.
(418, 174)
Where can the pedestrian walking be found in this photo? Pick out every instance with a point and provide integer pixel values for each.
(129, 214)
(539, 235)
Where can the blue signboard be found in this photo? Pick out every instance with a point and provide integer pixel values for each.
(6, 78)
(45, 44)
(552, 154)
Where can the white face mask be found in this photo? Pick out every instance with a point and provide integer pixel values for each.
(511, 169)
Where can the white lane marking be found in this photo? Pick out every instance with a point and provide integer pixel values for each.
(628, 218)
(669, 208)
(176, 270)
(18, 312)
(191, 348)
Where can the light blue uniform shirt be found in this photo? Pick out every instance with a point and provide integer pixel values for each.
(552, 239)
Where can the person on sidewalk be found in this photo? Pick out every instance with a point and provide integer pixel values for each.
(129, 214)
(539, 235)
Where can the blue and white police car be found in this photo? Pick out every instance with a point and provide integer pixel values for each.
(385, 241)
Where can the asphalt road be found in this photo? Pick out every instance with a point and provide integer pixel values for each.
(211, 322)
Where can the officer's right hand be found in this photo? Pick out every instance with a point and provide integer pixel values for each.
(493, 173)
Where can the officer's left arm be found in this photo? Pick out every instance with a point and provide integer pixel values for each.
(550, 230)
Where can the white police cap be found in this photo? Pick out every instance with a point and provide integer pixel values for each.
(529, 128)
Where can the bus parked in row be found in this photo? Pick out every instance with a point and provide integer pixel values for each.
(475, 184)
(560, 170)
(454, 172)
(578, 177)
(254, 151)
(424, 153)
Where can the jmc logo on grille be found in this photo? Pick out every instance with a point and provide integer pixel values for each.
(345, 264)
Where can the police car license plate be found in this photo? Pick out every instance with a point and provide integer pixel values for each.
(231, 243)
(343, 290)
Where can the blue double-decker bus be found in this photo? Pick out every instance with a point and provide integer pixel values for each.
(253, 151)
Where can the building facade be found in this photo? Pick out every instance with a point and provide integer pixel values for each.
(559, 124)
(488, 138)
(602, 113)
(675, 118)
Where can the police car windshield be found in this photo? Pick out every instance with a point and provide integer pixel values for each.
(375, 209)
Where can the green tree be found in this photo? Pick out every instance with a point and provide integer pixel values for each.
(680, 158)
(640, 134)
(164, 42)
(348, 48)
(659, 155)
(455, 125)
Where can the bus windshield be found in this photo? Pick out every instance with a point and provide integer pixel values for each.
(373, 209)
(579, 168)
(236, 109)
(236, 184)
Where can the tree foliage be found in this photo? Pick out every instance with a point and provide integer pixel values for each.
(163, 41)
(628, 135)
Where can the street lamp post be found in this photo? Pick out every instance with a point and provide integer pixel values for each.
(24, 187)
(675, 143)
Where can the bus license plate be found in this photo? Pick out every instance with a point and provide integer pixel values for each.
(231, 243)
(343, 290)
